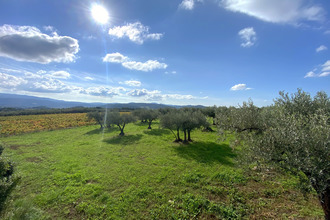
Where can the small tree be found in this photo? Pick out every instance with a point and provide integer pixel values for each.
(210, 112)
(120, 120)
(172, 121)
(7, 179)
(150, 116)
(196, 120)
(98, 117)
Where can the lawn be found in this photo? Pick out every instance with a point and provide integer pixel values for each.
(84, 173)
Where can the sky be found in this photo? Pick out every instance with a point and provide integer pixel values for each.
(182, 52)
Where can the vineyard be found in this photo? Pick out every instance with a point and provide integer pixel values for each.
(12, 125)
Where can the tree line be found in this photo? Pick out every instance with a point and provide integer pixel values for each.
(176, 120)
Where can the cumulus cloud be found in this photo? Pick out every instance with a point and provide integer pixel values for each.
(136, 32)
(147, 66)
(27, 43)
(156, 95)
(132, 83)
(50, 86)
(114, 58)
(279, 11)
(321, 48)
(322, 71)
(248, 36)
(60, 74)
(103, 91)
(142, 92)
(10, 81)
(239, 87)
(188, 4)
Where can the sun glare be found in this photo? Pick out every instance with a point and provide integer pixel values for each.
(100, 14)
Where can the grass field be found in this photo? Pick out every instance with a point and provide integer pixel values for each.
(83, 173)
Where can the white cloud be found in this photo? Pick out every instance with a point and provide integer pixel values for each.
(323, 74)
(321, 48)
(88, 78)
(178, 96)
(325, 71)
(248, 36)
(239, 87)
(310, 74)
(136, 32)
(148, 66)
(103, 91)
(114, 58)
(326, 66)
(49, 28)
(10, 81)
(156, 95)
(142, 92)
(276, 11)
(172, 72)
(188, 4)
(50, 86)
(27, 43)
(60, 74)
(132, 83)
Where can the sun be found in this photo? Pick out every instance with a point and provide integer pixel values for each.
(100, 14)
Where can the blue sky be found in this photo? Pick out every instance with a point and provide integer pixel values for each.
(209, 52)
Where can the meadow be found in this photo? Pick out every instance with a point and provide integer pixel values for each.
(87, 173)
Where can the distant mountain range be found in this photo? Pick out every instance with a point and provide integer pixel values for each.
(27, 102)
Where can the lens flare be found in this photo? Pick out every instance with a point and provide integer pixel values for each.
(100, 14)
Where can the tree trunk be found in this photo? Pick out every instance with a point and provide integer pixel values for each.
(185, 136)
(178, 135)
(189, 139)
(325, 202)
(149, 125)
(121, 130)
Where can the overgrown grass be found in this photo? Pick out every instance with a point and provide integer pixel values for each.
(84, 173)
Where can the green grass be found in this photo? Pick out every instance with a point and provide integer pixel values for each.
(82, 173)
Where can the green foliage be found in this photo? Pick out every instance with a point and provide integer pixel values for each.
(293, 134)
(97, 116)
(120, 120)
(7, 179)
(186, 120)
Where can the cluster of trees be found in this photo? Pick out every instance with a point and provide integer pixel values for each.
(176, 120)
(7, 179)
(185, 120)
(294, 134)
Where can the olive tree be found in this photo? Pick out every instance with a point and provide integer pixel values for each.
(150, 116)
(185, 120)
(190, 121)
(172, 121)
(97, 116)
(294, 133)
(120, 120)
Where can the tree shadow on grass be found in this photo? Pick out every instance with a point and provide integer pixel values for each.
(207, 152)
(124, 140)
(99, 130)
(156, 132)
(95, 131)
